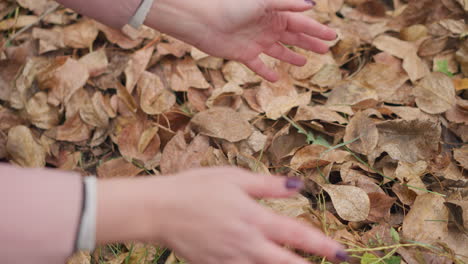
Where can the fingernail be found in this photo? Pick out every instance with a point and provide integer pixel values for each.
(311, 2)
(343, 256)
(294, 183)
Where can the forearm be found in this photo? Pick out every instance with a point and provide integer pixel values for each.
(40, 214)
(114, 13)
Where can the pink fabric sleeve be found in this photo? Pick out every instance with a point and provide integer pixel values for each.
(114, 13)
(40, 214)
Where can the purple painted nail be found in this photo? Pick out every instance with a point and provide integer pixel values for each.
(341, 255)
(294, 183)
(311, 2)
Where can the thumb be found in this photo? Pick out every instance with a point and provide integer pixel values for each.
(291, 5)
(267, 186)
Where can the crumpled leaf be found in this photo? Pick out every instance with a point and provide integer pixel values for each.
(183, 74)
(435, 93)
(365, 129)
(155, 99)
(73, 130)
(318, 112)
(461, 155)
(351, 203)
(96, 62)
(291, 207)
(24, 148)
(63, 78)
(410, 174)
(178, 155)
(116, 168)
(222, 122)
(40, 113)
(94, 113)
(408, 141)
(136, 66)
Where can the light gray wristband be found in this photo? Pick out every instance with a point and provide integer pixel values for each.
(87, 231)
(140, 15)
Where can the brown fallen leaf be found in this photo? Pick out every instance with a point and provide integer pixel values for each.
(96, 62)
(183, 74)
(461, 155)
(116, 168)
(136, 66)
(435, 93)
(238, 73)
(291, 207)
(410, 174)
(73, 130)
(80, 257)
(178, 155)
(365, 130)
(155, 99)
(408, 141)
(351, 203)
(80, 35)
(318, 112)
(24, 149)
(40, 113)
(221, 122)
(380, 205)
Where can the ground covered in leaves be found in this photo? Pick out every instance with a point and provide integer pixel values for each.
(377, 127)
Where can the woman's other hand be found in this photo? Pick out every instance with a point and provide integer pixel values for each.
(243, 29)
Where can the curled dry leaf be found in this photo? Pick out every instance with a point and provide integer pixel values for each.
(461, 155)
(351, 203)
(116, 168)
(117, 37)
(291, 207)
(73, 130)
(155, 99)
(96, 62)
(94, 113)
(139, 142)
(238, 73)
(435, 93)
(408, 141)
(24, 148)
(80, 35)
(183, 74)
(62, 79)
(380, 205)
(221, 94)
(410, 174)
(224, 123)
(178, 155)
(365, 130)
(136, 66)
(40, 113)
(318, 112)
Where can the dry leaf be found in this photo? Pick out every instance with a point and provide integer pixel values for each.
(24, 148)
(155, 99)
(40, 113)
(435, 93)
(309, 113)
(410, 174)
(96, 62)
(184, 74)
(461, 155)
(221, 122)
(291, 207)
(136, 66)
(364, 129)
(380, 205)
(351, 203)
(178, 156)
(116, 168)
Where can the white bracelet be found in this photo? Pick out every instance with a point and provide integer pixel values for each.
(140, 15)
(87, 231)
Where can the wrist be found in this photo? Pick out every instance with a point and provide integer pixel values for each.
(127, 210)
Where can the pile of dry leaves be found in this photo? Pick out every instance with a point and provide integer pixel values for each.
(377, 126)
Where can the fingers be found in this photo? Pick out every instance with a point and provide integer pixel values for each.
(259, 67)
(282, 53)
(259, 186)
(269, 253)
(288, 231)
(304, 41)
(291, 5)
(299, 23)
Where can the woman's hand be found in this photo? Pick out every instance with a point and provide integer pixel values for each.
(208, 216)
(243, 29)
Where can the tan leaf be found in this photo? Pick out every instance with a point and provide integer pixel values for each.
(328, 76)
(380, 205)
(40, 113)
(135, 144)
(117, 37)
(291, 207)
(73, 130)
(184, 74)
(435, 93)
(313, 156)
(427, 222)
(38, 6)
(406, 195)
(117, 168)
(224, 123)
(406, 51)
(238, 73)
(136, 66)
(155, 99)
(365, 129)
(461, 155)
(178, 155)
(80, 35)
(24, 149)
(318, 112)
(63, 78)
(15, 23)
(410, 174)
(96, 62)
(408, 141)
(351, 203)
(173, 46)
(221, 95)
(315, 62)
(80, 257)
(94, 113)
(349, 94)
